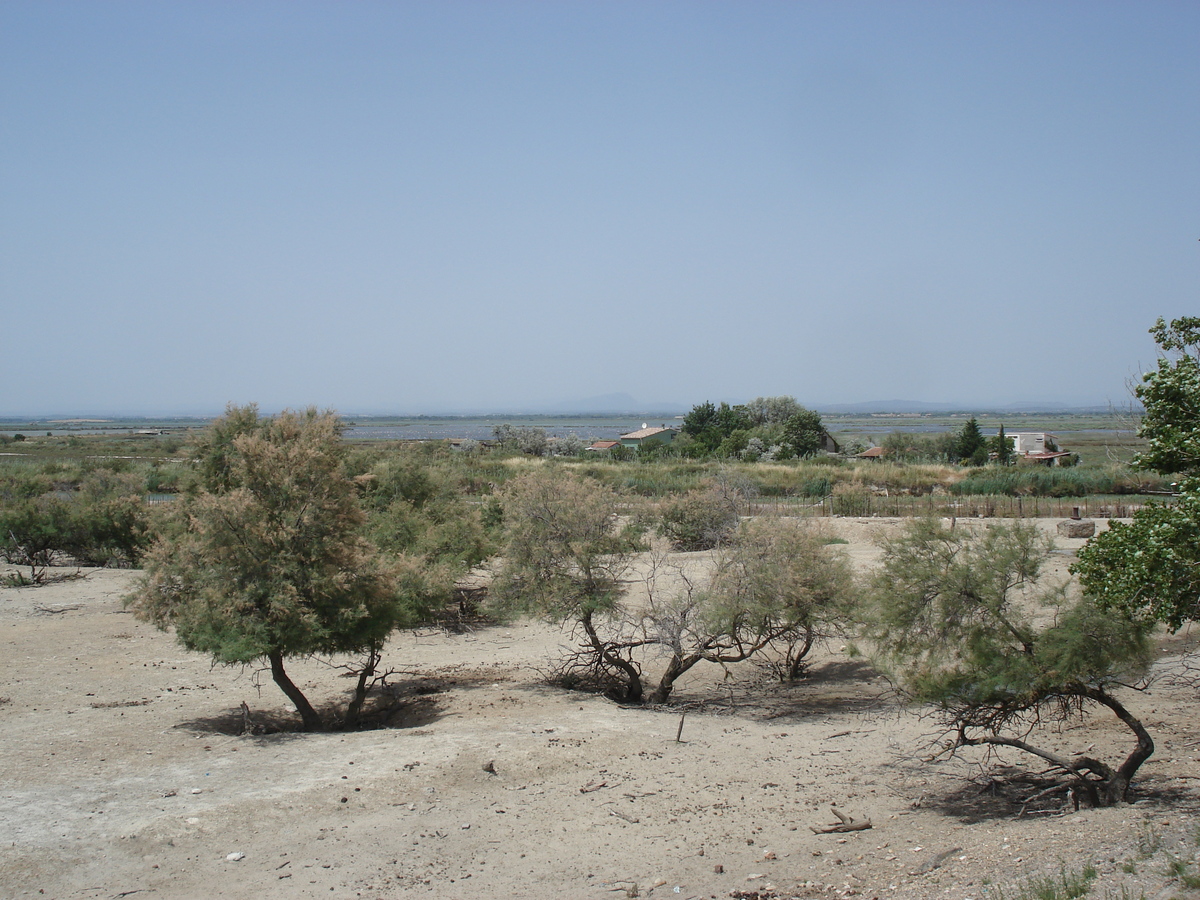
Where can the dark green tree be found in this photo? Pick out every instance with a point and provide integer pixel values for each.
(1148, 567)
(734, 443)
(803, 432)
(709, 425)
(963, 621)
(1001, 447)
(266, 561)
(700, 420)
(1171, 395)
(970, 440)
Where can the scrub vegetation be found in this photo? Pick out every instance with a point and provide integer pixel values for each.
(272, 538)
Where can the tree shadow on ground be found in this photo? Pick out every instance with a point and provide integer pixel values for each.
(831, 688)
(410, 703)
(1006, 790)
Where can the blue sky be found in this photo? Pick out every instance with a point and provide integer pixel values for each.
(430, 207)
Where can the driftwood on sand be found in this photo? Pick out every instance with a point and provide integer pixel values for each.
(846, 823)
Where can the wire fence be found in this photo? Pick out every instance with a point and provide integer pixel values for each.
(986, 506)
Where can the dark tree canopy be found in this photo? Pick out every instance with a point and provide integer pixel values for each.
(804, 432)
(771, 427)
(709, 425)
(1148, 567)
(1001, 447)
(1171, 394)
(970, 439)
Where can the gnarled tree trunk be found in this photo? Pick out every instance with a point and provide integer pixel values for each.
(361, 686)
(1117, 784)
(632, 692)
(312, 721)
(797, 654)
(678, 664)
(1101, 783)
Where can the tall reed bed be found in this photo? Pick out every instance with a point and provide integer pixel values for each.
(1039, 481)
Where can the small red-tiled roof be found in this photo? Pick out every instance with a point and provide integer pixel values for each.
(873, 453)
(604, 445)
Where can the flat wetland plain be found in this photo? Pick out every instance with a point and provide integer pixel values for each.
(1097, 437)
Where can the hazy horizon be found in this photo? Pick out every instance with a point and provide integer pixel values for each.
(421, 207)
(881, 407)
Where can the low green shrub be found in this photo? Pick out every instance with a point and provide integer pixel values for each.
(100, 521)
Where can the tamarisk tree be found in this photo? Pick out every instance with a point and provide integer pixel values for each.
(565, 558)
(777, 583)
(265, 561)
(962, 621)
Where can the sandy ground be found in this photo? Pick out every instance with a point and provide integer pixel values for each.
(123, 773)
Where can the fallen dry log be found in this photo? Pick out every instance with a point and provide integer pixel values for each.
(846, 823)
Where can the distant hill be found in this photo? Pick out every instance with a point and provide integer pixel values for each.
(871, 407)
(887, 406)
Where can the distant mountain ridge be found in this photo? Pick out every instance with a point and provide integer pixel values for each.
(903, 407)
(626, 404)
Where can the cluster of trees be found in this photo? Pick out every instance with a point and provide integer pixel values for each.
(765, 428)
(957, 621)
(958, 615)
(972, 448)
(533, 441)
(967, 446)
(963, 623)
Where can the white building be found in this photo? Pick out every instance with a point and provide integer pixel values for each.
(1027, 442)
